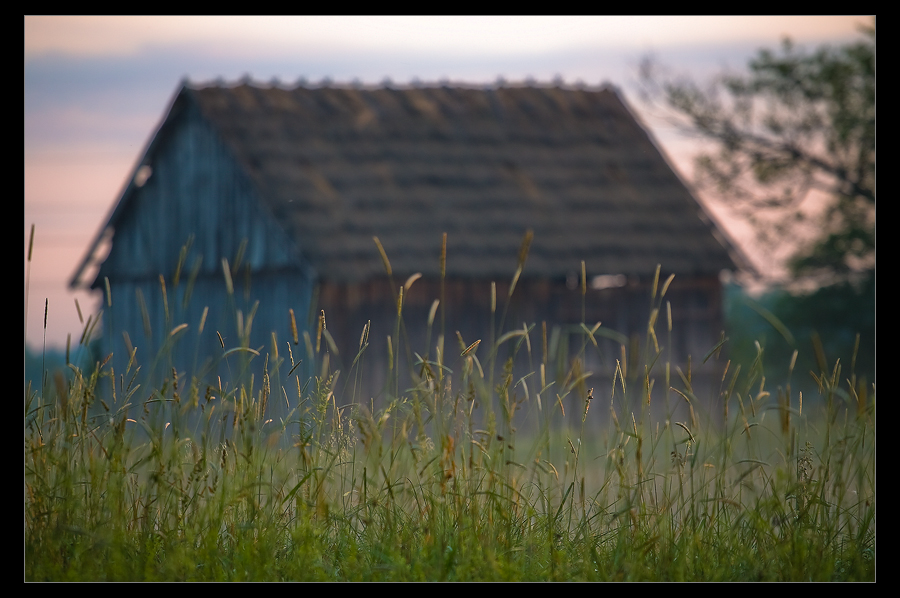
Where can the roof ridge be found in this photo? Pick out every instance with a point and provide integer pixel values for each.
(414, 83)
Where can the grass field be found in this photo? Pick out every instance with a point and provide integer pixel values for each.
(189, 482)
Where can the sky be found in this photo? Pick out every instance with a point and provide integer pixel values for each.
(96, 89)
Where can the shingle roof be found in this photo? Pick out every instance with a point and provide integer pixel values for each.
(338, 166)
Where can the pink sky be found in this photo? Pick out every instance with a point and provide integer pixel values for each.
(97, 87)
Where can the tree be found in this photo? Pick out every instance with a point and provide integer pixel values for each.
(795, 123)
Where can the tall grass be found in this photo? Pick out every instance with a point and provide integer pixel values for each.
(195, 482)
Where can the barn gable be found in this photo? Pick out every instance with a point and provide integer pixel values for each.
(188, 207)
(291, 185)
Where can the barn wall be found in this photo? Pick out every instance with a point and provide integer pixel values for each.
(554, 309)
(197, 201)
(249, 317)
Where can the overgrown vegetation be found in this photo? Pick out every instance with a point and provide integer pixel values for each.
(835, 322)
(189, 481)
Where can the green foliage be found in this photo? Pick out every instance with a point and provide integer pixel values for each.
(744, 502)
(796, 122)
(450, 480)
(822, 326)
(154, 486)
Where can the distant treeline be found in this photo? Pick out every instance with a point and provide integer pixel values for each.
(822, 326)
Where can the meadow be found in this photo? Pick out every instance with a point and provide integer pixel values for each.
(192, 481)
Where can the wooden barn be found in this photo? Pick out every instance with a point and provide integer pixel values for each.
(253, 202)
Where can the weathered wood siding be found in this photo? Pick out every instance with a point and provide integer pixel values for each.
(196, 188)
(552, 307)
(198, 198)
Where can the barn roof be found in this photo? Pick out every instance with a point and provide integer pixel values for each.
(339, 165)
